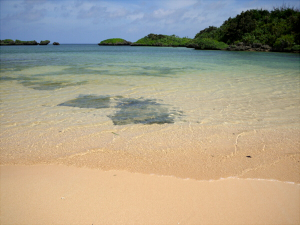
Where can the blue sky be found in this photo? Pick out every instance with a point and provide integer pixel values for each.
(90, 21)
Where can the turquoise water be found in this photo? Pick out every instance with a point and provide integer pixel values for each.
(88, 92)
(83, 57)
(213, 74)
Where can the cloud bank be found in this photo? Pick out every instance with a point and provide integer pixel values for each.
(90, 21)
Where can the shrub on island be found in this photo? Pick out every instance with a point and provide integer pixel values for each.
(208, 44)
(115, 41)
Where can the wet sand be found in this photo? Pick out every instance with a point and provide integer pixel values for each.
(56, 194)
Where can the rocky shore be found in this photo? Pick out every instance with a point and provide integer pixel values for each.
(249, 47)
(157, 45)
(258, 47)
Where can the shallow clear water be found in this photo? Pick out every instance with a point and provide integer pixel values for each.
(67, 99)
(200, 86)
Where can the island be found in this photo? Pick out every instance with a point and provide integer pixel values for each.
(44, 42)
(19, 42)
(162, 40)
(277, 30)
(255, 30)
(56, 43)
(115, 42)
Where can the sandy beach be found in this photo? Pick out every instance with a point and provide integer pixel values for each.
(56, 194)
(141, 135)
(249, 178)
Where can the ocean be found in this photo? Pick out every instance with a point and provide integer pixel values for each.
(163, 110)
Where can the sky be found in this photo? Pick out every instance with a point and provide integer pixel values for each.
(91, 21)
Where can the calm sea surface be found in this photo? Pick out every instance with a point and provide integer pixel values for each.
(67, 99)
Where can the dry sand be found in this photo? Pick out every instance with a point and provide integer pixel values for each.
(56, 194)
(150, 175)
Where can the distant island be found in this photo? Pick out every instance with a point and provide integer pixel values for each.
(18, 42)
(114, 42)
(253, 30)
(163, 41)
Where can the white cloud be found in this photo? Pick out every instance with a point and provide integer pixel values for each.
(162, 13)
(135, 16)
(92, 12)
(117, 13)
(133, 19)
(177, 4)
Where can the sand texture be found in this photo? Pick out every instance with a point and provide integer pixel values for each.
(53, 194)
(185, 151)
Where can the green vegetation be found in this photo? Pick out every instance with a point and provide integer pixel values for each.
(163, 40)
(279, 28)
(44, 42)
(208, 43)
(7, 42)
(210, 32)
(19, 42)
(114, 41)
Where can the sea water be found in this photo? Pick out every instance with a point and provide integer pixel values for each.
(61, 101)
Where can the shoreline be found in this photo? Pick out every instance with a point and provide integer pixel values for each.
(56, 194)
(169, 150)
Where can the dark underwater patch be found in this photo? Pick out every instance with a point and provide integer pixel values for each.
(49, 85)
(21, 79)
(141, 111)
(131, 110)
(75, 71)
(121, 70)
(160, 70)
(89, 101)
(6, 78)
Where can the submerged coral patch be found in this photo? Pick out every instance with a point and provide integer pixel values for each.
(20, 78)
(141, 111)
(49, 85)
(89, 101)
(130, 110)
(6, 78)
(75, 70)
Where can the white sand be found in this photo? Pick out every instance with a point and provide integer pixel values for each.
(52, 194)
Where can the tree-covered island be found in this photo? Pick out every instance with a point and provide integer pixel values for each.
(19, 42)
(258, 29)
(115, 41)
(253, 30)
(163, 41)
